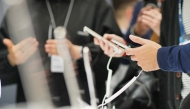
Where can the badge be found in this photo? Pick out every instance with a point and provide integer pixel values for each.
(57, 64)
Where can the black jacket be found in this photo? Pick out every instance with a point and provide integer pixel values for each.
(95, 14)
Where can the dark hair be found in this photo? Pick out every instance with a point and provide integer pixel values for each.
(121, 4)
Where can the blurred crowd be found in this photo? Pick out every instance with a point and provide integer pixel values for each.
(31, 56)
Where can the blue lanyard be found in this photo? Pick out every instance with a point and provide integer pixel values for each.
(182, 30)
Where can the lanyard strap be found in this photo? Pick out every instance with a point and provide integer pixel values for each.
(51, 14)
(67, 16)
(52, 22)
(182, 30)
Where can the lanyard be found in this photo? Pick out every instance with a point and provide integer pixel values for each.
(182, 30)
(53, 24)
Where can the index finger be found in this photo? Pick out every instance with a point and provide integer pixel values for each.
(130, 51)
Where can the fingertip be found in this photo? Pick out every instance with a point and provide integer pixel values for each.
(131, 36)
(105, 35)
(5, 40)
(95, 41)
(8, 42)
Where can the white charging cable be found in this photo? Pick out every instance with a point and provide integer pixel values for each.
(117, 51)
(120, 91)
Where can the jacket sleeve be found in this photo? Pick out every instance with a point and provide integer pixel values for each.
(174, 58)
(4, 63)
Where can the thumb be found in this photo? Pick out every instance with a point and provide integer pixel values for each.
(138, 39)
(8, 43)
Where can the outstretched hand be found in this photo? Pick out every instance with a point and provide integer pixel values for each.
(19, 53)
(146, 55)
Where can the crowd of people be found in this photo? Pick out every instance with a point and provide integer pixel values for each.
(156, 32)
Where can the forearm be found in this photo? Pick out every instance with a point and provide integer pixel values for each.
(174, 58)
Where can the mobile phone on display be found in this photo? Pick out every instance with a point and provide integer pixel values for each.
(112, 43)
(121, 45)
(96, 35)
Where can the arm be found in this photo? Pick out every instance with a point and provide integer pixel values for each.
(174, 58)
(151, 56)
(12, 54)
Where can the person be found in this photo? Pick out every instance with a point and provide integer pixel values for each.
(151, 56)
(128, 17)
(174, 85)
(140, 25)
(174, 58)
(124, 10)
(14, 50)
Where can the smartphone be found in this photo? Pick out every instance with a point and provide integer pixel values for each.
(96, 35)
(121, 45)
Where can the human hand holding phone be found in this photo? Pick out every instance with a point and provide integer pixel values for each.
(109, 50)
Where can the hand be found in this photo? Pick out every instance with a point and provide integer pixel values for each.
(51, 48)
(19, 54)
(109, 50)
(152, 18)
(141, 28)
(146, 55)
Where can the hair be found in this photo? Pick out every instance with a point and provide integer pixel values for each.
(120, 4)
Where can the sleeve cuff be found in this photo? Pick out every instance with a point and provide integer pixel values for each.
(162, 58)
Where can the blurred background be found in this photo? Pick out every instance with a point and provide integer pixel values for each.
(33, 53)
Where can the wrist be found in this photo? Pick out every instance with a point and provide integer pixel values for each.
(77, 52)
